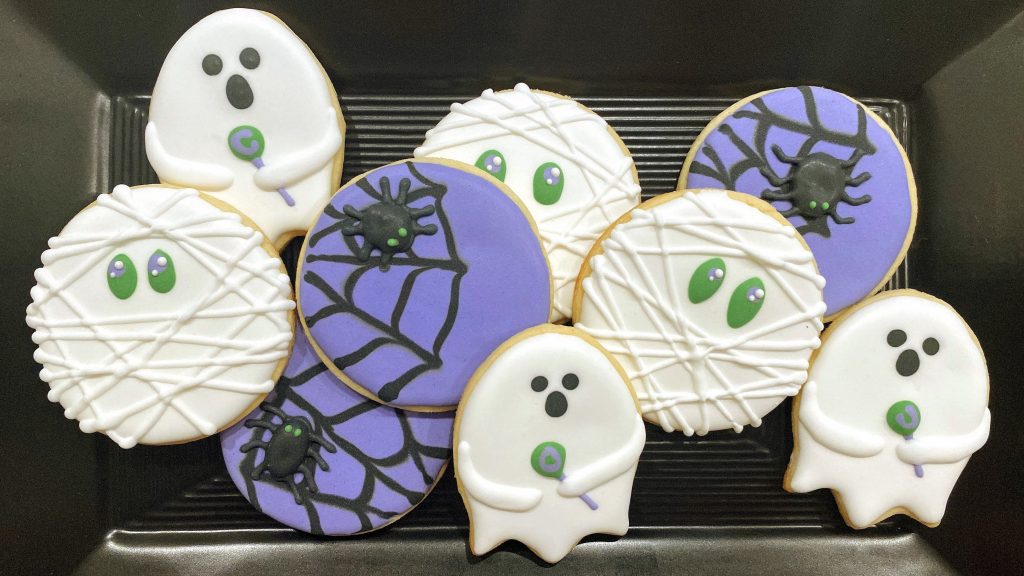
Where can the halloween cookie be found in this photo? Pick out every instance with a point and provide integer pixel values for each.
(243, 110)
(710, 301)
(321, 458)
(895, 404)
(831, 166)
(160, 318)
(548, 437)
(414, 273)
(563, 161)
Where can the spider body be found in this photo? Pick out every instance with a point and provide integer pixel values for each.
(814, 187)
(390, 226)
(291, 443)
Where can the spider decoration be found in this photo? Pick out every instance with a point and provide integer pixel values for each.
(389, 226)
(291, 446)
(814, 187)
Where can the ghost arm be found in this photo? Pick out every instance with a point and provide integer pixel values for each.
(834, 435)
(608, 468)
(493, 494)
(303, 163)
(945, 449)
(182, 172)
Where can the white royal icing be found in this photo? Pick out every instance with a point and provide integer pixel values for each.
(292, 105)
(531, 128)
(691, 370)
(171, 361)
(844, 440)
(504, 419)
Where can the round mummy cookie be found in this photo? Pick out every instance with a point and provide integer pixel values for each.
(414, 273)
(323, 459)
(895, 404)
(243, 110)
(159, 317)
(832, 167)
(568, 167)
(548, 438)
(711, 303)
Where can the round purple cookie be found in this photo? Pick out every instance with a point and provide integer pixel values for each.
(320, 458)
(830, 166)
(414, 273)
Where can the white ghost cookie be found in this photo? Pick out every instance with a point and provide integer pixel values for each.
(159, 317)
(711, 302)
(243, 110)
(547, 442)
(895, 404)
(564, 162)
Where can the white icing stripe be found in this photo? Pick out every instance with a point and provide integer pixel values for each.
(491, 493)
(608, 468)
(182, 172)
(945, 449)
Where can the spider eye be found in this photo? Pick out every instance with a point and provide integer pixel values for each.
(297, 432)
(492, 162)
(745, 303)
(287, 427)
(547, 183)
(121, 277)
(706, 280)
(161, 272)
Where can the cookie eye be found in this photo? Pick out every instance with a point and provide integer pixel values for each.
(930, 346)
(160, 272)
(745, 303)
(706, 280)
(249, 58)
(896, 338)
(297, 431)
(212, 64)
(570, 381)
(492, 162)
(539, 384)
(548, 183)
(287, 427)
(121, 277)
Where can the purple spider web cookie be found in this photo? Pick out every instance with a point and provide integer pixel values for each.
(320, 458)
(830, 168)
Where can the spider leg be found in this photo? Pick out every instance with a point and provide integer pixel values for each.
(794, 211)
(857, 155)
(421, 212)
(425, 230)
(318, 458)
(385, 190)
(352, 229)
(403, 190)
(295, 489)
(258, 471)
(773, 178)
(855, 201)
(783, 157)
(331, 211)
(268, 407)
(859, 179)
(259, 424)
(840, 219)
(769, 194)
(364, 250)
(385, 261)
(817, 226)
(352, 212)
(307, 475)
(253, 444)
(314, 437)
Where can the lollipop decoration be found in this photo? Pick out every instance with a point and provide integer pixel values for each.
(548, 459)
(247, 143)
(903, 418)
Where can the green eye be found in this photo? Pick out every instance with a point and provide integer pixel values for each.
(297, 432)
(493, 163)
(287, 427)
(706, 280)
(745, 302)
(161, 272)
(548, 183)
(121, 276)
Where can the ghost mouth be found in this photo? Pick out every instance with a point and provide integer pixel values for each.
(556, 404)
(239, 92)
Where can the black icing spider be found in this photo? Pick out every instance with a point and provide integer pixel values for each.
(815, 186)
(389, 226)
(291, 442)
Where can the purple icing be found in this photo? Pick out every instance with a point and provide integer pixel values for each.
(411, 325)
(857, 256)
(381, 461)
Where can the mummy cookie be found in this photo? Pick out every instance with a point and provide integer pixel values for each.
(831, 166)
(243, 110)
(895, 405)
(322, 459)
(548, 437)
(711, 303)
(414, 273)
(159, 317)
(569, 168)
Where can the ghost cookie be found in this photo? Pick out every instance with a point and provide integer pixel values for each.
(159, 317)
(548, 438)
(414, 273)
(831, 166)
(243, 110)
(322, 459)
(710, 301)
(896, 403)
(563, 161)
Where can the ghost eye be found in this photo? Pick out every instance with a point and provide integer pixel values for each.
(122, 277)
(745, 303)
(539, 384)
(492, 162)
(548, 182)
(570, 381)
(249, 58)
(896, 338)
(930, 346)
(160, 272)
(212, 64)
(706, 280)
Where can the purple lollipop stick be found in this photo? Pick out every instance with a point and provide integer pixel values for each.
(258, 163)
